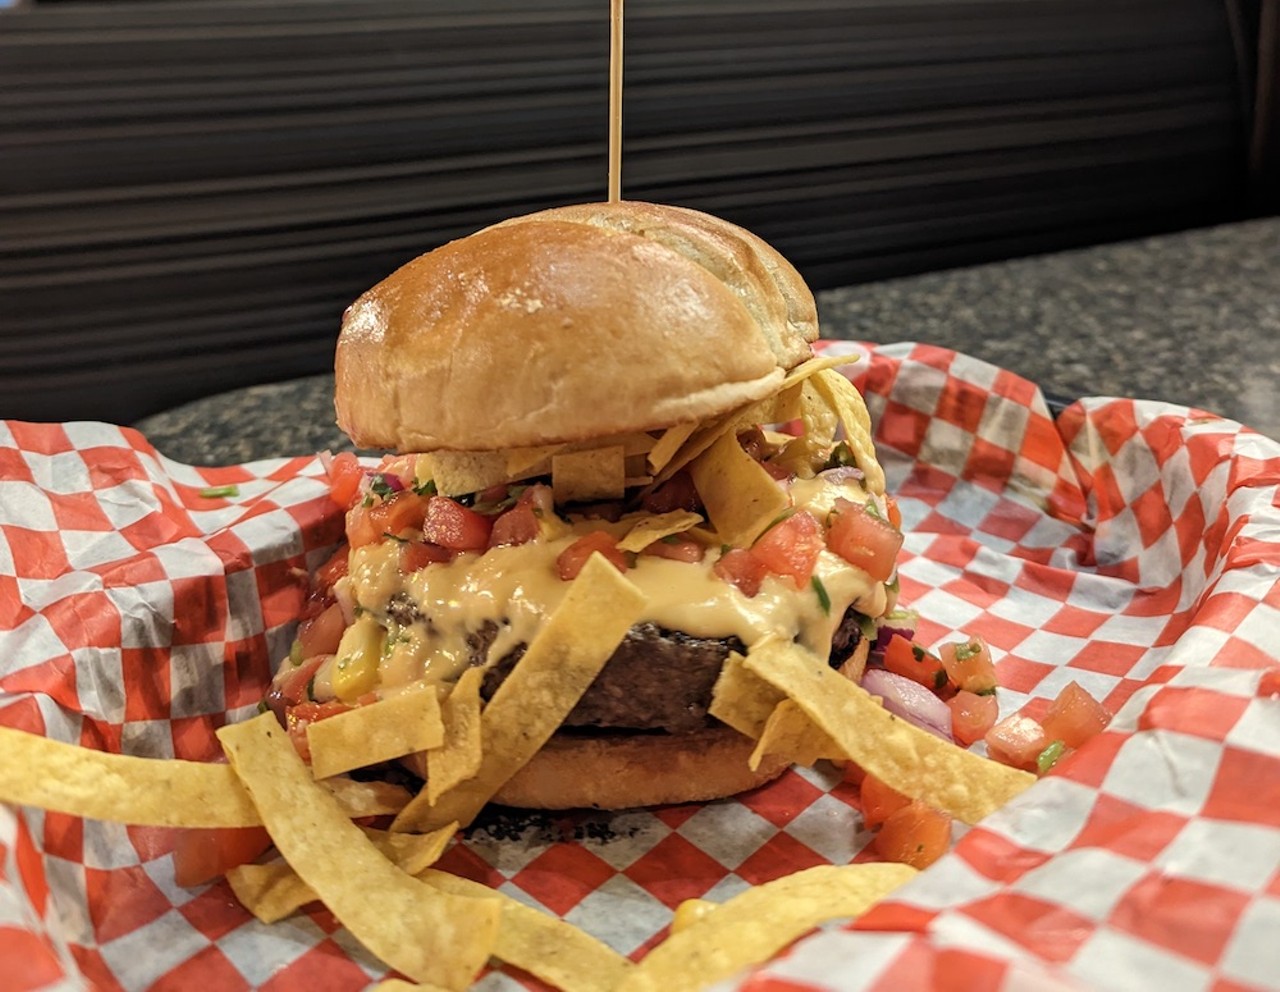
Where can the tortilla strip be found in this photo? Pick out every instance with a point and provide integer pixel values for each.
(909, 759)
(121, 788)
(756, 924)
(428, 935)
(560, 664)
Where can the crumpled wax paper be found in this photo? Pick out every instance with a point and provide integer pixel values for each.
(1131, 546)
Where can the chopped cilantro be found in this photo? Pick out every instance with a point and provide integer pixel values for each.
(823, 598)
(427, 488)
(379, 486)
(218, 492)
(966, 651)
(1050, 756)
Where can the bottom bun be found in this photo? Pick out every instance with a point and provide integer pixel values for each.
(618, 771)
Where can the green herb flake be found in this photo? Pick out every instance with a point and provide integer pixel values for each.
(1050, 756)
(427, 488)
(311, 689)
(966, 651)
(872, 509)
(219, 492)
(824, 600)
(917, 652)
(940, 680)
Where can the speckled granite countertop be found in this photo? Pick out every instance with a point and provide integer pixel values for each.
(1191, 318)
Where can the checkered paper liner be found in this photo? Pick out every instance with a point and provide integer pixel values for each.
(1131, 546)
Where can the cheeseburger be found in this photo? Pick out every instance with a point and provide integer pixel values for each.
(623, 379)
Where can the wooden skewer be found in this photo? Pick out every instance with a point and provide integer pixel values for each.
(615, 100)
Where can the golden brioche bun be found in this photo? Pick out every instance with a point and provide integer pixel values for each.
(567, 324)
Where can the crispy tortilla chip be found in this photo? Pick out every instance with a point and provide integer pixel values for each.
(557, 952)
(901, 755)
(400, 985)
(790, 734)
(756, 924)
(667, 445)
(523, 462)
(849, 406)
(560, 664)
(158, 792)
(274, 891)
(432, 937)
(459, 472)
(742, 499)
(579, 476)
(812, 366)
(742, 700)
(381, 731)
(655, 528)
(458, 758)
(360, 799)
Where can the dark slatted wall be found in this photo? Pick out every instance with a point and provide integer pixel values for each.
(191, 192)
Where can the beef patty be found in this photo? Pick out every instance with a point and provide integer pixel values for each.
(657, 679)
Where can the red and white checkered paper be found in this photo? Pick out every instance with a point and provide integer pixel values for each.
(1131, 546)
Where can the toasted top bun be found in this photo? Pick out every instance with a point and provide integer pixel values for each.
(568, 324)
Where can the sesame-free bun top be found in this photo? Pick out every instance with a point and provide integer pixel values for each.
(572, 323)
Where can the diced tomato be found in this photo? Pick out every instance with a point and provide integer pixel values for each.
(906, 658)
(969, 665)
(570, 561)
(742, 569)
(321, 634)
(892, 512)
(454, 526)
(915, 835)
(972, 716)
(328, 574)
(676, 548)
(677, 493)
(415, 555)
(201, 855)
(394, 515)
(302, 716)
(1017, 741)
(523, 522)
(879, 801)
(293, 687)
(791, 547)
(1074, 717)
(345, 477)
(864, 539)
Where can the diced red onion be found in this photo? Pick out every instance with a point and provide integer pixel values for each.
(885, 632)
(909, 700)
(392, 482)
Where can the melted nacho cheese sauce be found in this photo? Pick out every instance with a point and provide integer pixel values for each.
(422, 625)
